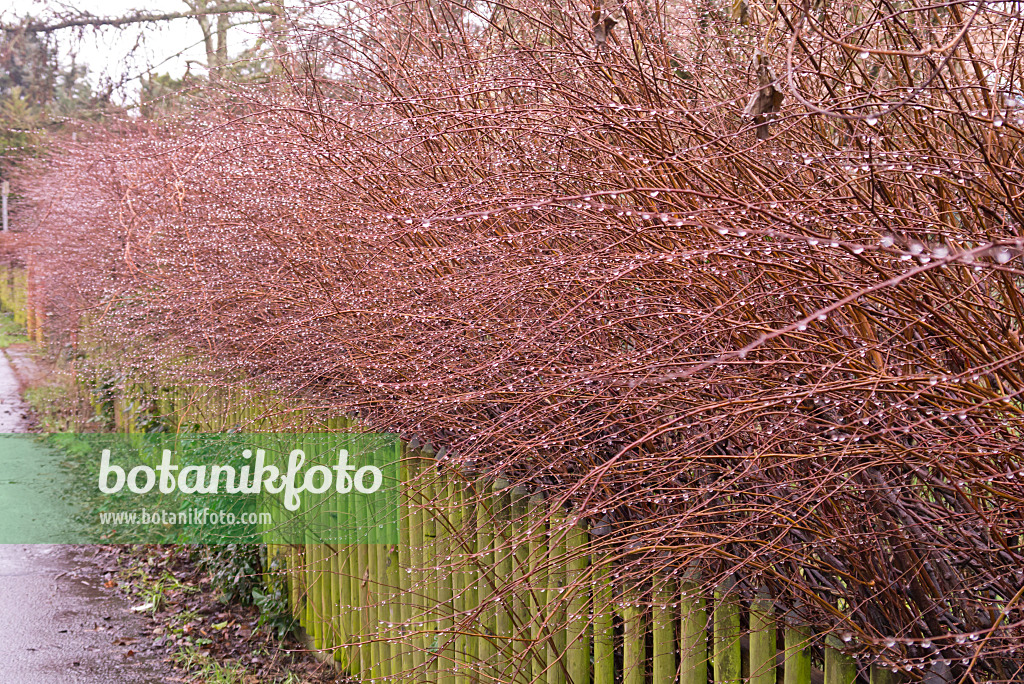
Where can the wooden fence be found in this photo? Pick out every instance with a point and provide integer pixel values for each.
(496, 583)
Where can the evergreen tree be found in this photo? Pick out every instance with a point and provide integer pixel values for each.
(37, 92)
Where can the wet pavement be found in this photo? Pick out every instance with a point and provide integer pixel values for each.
(59, 624)
(13, 413)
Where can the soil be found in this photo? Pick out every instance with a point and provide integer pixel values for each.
(192, 618)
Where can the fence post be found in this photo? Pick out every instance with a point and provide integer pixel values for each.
(796, 653)
(557, 610)
(762, 639)
(405, 586)
(522, 657)
(431, 574)
(538, 572)
(485, 647)
(663, 594)
(604, 629)
(693, 631)
(839, 667)
(466, 643)
(883, 675)
(728, 651)
(634, 638)
(446, 538)
(577, 638)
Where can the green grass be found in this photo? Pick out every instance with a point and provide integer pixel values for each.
(153, 591)
(205, 668)
(11, 332)
(202, 667)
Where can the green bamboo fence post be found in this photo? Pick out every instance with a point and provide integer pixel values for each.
(405, 600)
(313, 522)
(312, 564)
(556, 596)
(457, 561)
(445, 585)
(363, 553)
(307, 575)
(343, 656)
(604, 625)
(762, 640)
(577, 637)
(663, 594)
(333, 597)
(378, 585)
(485, 594)
(299, 559)
(328, 549)
(839, 667)
(341, 566)
(291, 562)
(470, 574)
(394, 593)
(728, 663)
(302, 577)
(372, 629)
(538, 583)
(375, 585)
(355, 577)
(882, 675)
(521, 657)
(796, 655)
(430, 562)
(314, 513)
(466, 644)
(634, 638)
(503, 564)
(418, 597)
(693, 632)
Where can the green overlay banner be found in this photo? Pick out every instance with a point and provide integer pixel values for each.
(203, 488)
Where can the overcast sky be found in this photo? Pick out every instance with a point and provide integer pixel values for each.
(120, 54)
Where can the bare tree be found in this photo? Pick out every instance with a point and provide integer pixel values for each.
(214, 18)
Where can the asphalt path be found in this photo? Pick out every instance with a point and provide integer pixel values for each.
(60, 621)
